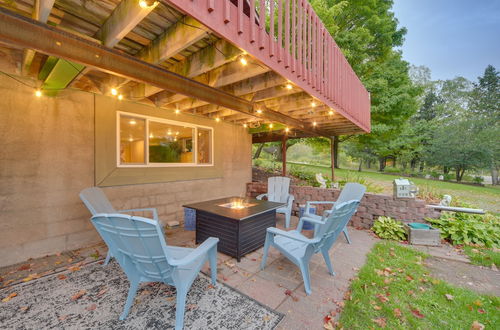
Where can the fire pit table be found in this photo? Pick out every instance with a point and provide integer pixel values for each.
(239, 223)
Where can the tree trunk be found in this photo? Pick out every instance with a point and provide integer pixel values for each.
(405, 164)
(369, 164)
(394, 162)
(336, 151)
(258, 151)
(360, 164)
(381, 161)
(446, 170)
(494, 175)
(459, 174)
(413, 164)
(421, 169)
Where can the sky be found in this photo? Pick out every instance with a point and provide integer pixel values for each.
(451, 37)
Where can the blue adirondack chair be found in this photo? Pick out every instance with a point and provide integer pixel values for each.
(97, 202)
(351, 191)
(278, 191)
(299, 249)
(139, 246)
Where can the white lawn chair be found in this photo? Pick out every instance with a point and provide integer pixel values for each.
(278, 188)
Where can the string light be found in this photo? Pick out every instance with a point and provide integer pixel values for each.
(259, 111)
(146, 4)
(243, 61)
(151, 136)
(114, 91)
(177, 111)
(271, 125)
(132, 122)
(287, 130)
(330, 112)
(38, 93)
(217, 119)
(313, 104)
(315, 123)
(245, 125)
(288, 86)
(120, 97)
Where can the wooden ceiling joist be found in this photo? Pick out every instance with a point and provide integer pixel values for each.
(25, 32)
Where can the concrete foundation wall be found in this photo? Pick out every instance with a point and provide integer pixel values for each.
(371, 207)
(47, 158)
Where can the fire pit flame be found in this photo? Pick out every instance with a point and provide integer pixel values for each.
(237, 204)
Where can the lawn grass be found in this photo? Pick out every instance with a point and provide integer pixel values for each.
(483, 256)
(394, 290)
(487, 197)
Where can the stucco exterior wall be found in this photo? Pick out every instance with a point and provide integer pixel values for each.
(48, 156)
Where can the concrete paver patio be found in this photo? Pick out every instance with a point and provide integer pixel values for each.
(278, 286)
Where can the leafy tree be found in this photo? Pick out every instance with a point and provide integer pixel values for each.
(485, 107)
(368, 33)
(457, 146)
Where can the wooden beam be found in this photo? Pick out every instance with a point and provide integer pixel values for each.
(25, 32)
(41, 12)
(124, 18)
(283, 154)
(332, 156)
(201, 62)
(184, 33)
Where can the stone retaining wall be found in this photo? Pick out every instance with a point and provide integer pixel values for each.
(372, 205)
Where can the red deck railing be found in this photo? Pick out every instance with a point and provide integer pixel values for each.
(292, 41)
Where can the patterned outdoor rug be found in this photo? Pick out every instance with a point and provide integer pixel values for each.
(94, 296)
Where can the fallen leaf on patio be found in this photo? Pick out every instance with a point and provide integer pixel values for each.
(417, 313)
(31, 277)
(341, 304)
(91, 307)
(295, 298)
(477, 326)
(78, 295)
(210, 286)
(288, 292)
(448, 296)
(253, 259)
(9, 297)
(253, 280)
(70, 260)
(24, 308)
(103, 291)
(62, 277)
(481, 311)
(266, 318)
(381, 322)
(170, 298)
(24, 267)
(63, 317)
(280, 268)
(74, 268)
(191, 307)
(355, 269)
(377, 308)
(230, 265)
(397, 312)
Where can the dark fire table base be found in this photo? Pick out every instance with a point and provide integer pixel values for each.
(239, 231)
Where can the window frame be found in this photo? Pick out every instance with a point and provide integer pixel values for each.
(147, 120)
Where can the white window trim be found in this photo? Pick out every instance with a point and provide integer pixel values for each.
(147, 119)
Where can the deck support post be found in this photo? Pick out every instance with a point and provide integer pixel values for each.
(332, 156)
(283, 153)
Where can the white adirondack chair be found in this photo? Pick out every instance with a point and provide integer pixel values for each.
(278, 188)
(97, 202)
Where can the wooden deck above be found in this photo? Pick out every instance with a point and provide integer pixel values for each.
(209, 58)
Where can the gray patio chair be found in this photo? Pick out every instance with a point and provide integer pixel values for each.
(278, 191)
(351, 191)
(97, 202)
